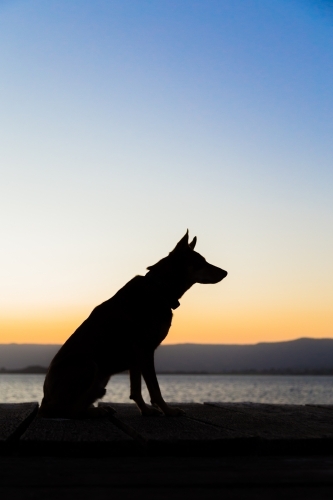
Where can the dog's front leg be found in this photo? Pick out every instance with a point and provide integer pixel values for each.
(136, 395)
(149, 374)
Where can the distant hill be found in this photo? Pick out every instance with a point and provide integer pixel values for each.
(36, 369)
(299, 355)
(18, 356)
(296, 356)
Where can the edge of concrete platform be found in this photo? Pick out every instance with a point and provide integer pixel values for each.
(210, 429)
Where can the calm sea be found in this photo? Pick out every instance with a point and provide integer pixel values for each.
(289, 389)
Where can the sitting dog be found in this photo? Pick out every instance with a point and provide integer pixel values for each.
(122, 334)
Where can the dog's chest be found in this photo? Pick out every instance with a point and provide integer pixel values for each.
(160, 332)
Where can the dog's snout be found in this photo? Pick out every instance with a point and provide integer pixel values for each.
(224, 274)
(210, 274)
(220, 274)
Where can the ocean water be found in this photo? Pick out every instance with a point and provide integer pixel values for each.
(287, 389)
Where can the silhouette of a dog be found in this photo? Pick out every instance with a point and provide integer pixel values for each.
(122, 334)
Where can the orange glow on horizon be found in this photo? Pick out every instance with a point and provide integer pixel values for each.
(49, 328)
(189, 326)
(250, 327)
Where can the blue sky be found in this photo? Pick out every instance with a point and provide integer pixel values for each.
(123, 123)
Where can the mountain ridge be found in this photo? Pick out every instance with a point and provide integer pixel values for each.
(299, 355)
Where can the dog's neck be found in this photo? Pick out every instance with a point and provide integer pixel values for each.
(163, 290)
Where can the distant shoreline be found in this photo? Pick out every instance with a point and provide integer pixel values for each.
(41, 370)
(302, 356)
(29, 370)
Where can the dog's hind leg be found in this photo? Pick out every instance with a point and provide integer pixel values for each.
(136, 395)
(99, 412)
(96, 390)
(71, 388)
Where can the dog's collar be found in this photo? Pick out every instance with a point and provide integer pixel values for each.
(173, 303)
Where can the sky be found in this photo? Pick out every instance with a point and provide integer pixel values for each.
(125, 122)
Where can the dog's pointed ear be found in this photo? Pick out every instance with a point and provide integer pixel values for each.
(182, 244)
(193, 243)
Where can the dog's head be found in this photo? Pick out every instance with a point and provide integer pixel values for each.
(183, 263)
(199, 270)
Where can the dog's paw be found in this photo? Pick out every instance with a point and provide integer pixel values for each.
(109, 409)
(99, 412)
(150, 411)
(173, 411)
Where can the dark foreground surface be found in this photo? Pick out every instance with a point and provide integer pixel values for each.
(229, 450)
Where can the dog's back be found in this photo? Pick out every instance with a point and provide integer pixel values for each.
(106, 343)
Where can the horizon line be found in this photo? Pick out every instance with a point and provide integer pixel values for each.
(191, 343)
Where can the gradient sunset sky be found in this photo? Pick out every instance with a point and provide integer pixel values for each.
(125, 122)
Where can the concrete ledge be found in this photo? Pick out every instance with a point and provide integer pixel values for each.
(211, 429)
(98, 437)
(14, 419)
